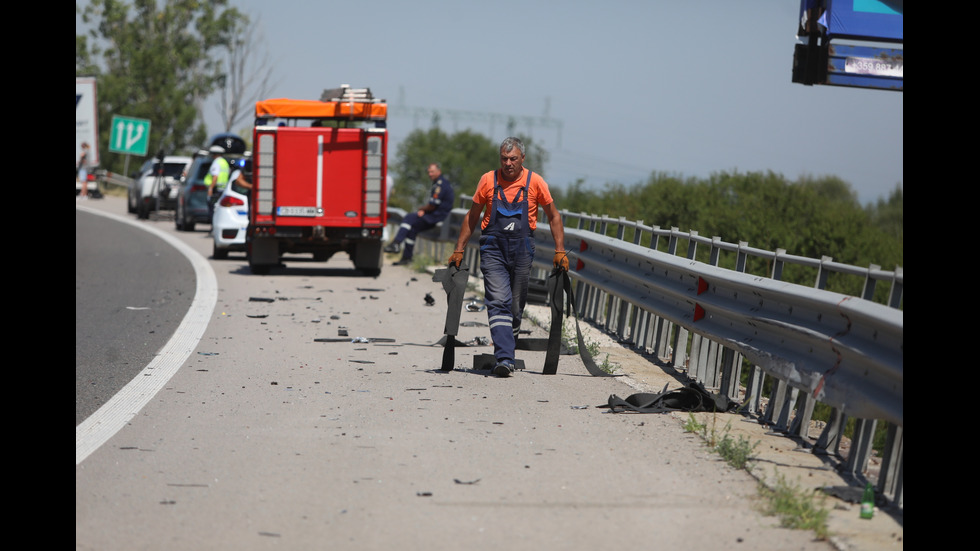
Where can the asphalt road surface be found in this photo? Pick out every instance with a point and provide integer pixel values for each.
(309, 412)
(131, 291)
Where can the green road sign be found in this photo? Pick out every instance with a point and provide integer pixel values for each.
(129, 135)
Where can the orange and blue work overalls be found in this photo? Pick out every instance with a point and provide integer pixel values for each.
(506, 253)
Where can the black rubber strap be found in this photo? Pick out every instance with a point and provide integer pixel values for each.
(560, 284)
(693, 397)
(453, 281)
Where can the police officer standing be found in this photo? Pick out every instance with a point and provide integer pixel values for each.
(217, 178)
(440, 204)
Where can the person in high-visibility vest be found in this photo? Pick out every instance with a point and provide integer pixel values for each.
(217, 178)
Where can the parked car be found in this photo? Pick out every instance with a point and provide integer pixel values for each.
(230, 219)
(192, 195)
(155, 185)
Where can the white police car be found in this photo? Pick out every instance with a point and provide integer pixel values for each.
(230, 220)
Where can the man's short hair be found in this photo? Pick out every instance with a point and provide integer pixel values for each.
(510, 143)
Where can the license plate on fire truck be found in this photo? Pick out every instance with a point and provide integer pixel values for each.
(299, 211)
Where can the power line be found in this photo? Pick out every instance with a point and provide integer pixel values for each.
(436, 115)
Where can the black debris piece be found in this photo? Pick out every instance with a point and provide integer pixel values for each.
(693, 397)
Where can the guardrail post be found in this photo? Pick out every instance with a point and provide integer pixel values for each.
(695, 363)
(777, 264)
(829, 441)
(644, 330)
(821, 282)
(581, 298)
(712, 373)
(654, 237)
(672, 243)
(692, 245)
(741, 257)
(681, 357)
(861, 446)
(895, 295)
(731, 373)
(753, 390)
(614, 322)
(782, 423)
(801, 422)
(715, 253)
(604, 304)
(621, 229)
(776, 398)
(662, 346)
(890, 481)
(868, 290)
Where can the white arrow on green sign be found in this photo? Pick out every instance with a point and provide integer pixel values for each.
(129, 135)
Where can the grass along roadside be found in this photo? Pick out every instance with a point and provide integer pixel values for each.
(795, 507)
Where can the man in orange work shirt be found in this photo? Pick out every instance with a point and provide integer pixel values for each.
(506, 204)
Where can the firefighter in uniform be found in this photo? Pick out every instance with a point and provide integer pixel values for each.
(440, 204)
(217, 178)
(506, 204)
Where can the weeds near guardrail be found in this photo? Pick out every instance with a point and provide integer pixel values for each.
(796, 508)
(735, 452)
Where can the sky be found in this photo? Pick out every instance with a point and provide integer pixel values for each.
(614, 90)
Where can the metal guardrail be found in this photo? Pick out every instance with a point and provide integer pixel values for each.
(815, 345)
(109, 178)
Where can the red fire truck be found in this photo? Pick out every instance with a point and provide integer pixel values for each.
(319, 169)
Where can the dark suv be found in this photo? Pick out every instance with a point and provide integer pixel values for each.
(192, 197)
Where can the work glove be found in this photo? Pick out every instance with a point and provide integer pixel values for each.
(456, 259)
(561, 260)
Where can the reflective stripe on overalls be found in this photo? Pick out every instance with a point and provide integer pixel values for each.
(506, 253)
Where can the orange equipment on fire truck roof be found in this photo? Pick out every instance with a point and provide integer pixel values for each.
(349, 103)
